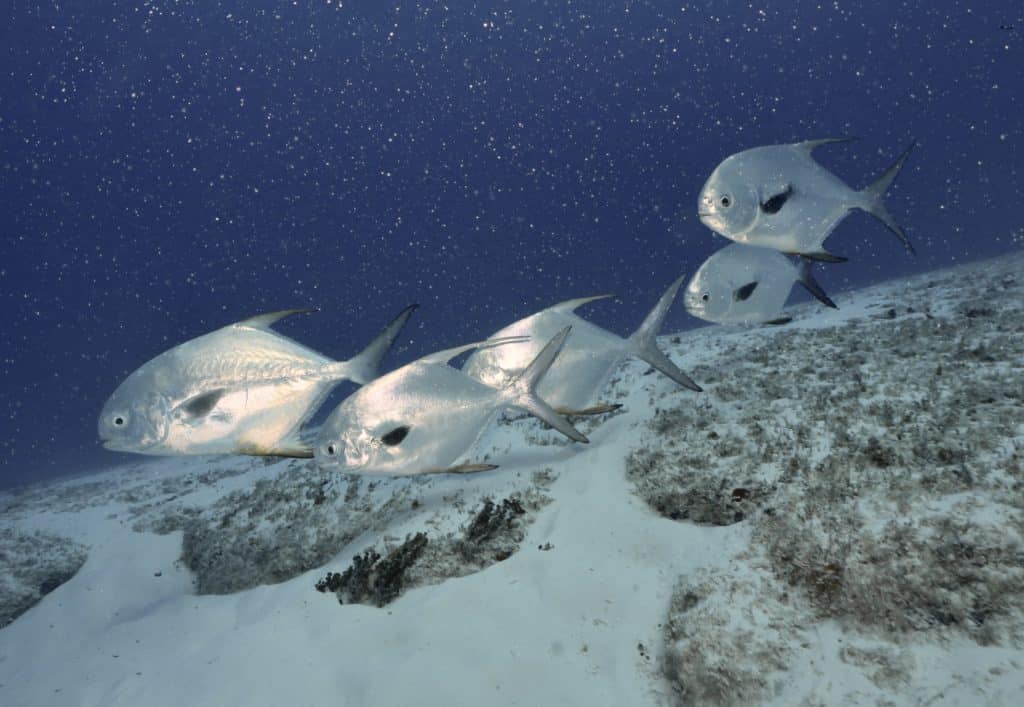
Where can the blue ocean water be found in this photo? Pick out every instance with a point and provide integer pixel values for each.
(171, 167)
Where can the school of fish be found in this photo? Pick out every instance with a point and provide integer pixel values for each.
(246, 389)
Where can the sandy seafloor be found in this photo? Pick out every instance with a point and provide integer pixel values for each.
(836, 520)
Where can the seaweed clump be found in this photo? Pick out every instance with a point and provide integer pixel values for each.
(490, 528)
(373, 579)
(492, 534)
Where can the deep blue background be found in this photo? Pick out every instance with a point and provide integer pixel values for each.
(170, 167)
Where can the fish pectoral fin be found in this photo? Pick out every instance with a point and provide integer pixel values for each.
(780, 320)
(201, 405)
(599, 409)
(773, 204)
(467, 468)
(296, 451)
(742, 294)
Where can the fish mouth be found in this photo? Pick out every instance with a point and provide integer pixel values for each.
(115, 446)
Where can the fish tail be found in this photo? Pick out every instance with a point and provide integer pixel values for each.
(806, 278)
(874, 194)
(364, 367)
(521, 392)
(644, 344)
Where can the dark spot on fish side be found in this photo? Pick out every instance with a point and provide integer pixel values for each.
(395, 436)
(774, 204)
(742, 294)
(201, 405)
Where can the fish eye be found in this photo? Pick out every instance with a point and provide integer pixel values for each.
(119, 420)
(395, 436)
(705, 297)
(725, 201)
(331, 450)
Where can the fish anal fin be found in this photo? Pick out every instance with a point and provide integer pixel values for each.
(466, 468)
(806, 278)
(779, 321)
(822, 256)
(599, 409)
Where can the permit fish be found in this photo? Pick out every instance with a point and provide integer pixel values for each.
(590, 356)
(778, 197)
(242, 389)
(422, 417)
(742, 284)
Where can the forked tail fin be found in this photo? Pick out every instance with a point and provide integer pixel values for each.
(521, 392)
(644, 343)
(874, 194)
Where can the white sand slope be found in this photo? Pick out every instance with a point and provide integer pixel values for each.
(836, 520)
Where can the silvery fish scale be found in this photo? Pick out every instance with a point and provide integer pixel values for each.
(420, 418)
(269, 386)
(715, 293)
(242, 389)
(817, 202)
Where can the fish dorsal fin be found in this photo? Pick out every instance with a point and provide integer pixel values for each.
(572, 304)
(265, 321)
(364, 367)
(811, 145)
(447, 355)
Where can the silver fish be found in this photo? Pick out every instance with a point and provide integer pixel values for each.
(778, 197)
(742, 284)
(590, 356)
(242, 389)
(423, 416)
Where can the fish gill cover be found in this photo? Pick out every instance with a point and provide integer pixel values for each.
(168, 168)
